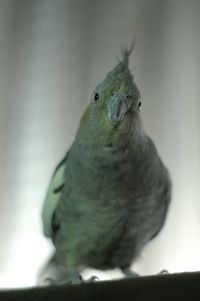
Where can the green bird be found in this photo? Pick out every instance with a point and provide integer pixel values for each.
(110, 194)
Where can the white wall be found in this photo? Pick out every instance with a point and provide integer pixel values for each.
(52, 54)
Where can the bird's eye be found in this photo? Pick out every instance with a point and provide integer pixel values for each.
(128, 96)
(139, 104)
(96, 96)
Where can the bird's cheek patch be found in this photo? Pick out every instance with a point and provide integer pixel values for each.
(85, 116)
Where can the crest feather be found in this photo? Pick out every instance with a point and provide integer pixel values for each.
(126, 52)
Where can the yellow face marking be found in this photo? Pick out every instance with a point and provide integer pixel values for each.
(85, 116)
(122, 88)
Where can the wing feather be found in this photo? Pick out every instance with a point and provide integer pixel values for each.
(52, 197)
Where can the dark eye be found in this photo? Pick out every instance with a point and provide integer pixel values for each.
(96, 96)
(128, 96)
(139, 104)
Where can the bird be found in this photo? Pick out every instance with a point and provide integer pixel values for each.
(109, 196)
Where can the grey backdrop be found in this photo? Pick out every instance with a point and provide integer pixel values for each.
(52, 54)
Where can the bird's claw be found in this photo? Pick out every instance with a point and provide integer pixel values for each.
(92, 279)
(163, 272)
(71, 280)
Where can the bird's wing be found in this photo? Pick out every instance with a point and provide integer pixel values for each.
(52, 197)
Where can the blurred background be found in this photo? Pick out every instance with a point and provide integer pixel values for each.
(52, 55)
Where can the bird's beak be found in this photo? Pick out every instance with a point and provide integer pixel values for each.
(117, 108)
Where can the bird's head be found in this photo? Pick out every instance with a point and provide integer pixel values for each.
(114, 109)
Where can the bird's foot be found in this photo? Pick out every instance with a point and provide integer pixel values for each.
(73, 279)
(129, 273)
(132, 274)
(91, 279)
(163, 272)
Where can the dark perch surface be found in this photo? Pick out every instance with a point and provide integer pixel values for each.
(184, 286)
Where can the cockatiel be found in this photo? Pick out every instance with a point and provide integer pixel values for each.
(110, 195)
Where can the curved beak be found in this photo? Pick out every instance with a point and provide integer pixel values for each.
(117, 108)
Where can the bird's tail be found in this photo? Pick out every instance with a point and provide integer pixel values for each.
(51, 271)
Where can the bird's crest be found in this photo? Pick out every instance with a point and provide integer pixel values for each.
(126, 52)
